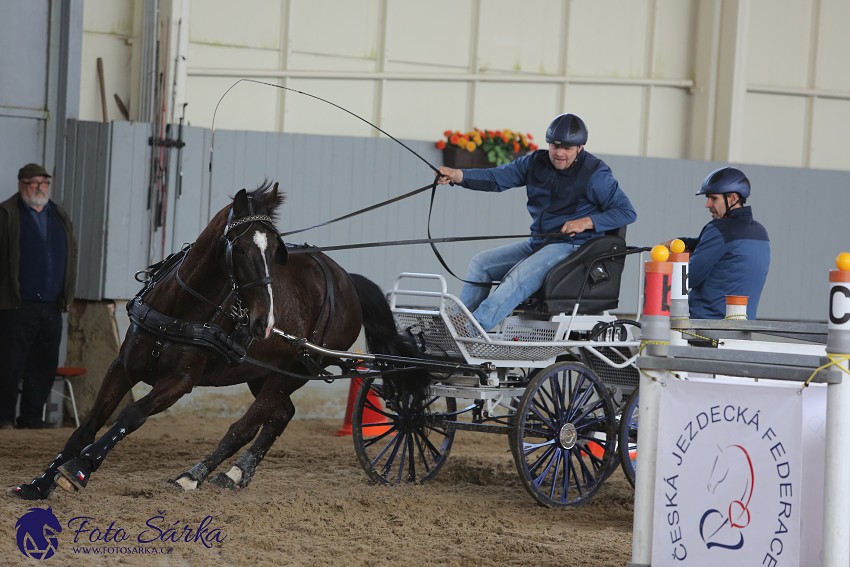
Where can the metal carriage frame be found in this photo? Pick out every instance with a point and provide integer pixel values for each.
(553, 382)
(536, 380)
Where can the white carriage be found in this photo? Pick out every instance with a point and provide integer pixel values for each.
(552, 378)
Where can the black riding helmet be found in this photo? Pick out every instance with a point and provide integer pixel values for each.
(724, 181)
(567, 129)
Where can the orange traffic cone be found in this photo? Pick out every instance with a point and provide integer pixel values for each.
(598, 450)
(369, 415)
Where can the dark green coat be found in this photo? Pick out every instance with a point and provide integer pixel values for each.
(10, 255)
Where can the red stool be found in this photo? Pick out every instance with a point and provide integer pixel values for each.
(63, 373)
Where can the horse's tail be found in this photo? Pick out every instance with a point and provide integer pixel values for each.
(382, 336)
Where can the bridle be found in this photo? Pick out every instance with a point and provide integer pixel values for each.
(231, 344)
(239, 312)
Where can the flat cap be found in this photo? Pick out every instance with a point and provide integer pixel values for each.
(31, 170)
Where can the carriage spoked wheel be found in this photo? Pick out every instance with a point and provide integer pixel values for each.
(404, 438)
(564, 435)
(628, 436)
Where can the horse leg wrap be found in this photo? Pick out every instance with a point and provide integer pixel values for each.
(227, 480)
(239, 475)
(74, 475)
(247, 463)
(190, 479)
(199, 472)
(97, 451)
(41, 487)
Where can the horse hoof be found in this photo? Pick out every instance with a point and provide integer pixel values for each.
(25, 492)
(185, 483)
(65, 484)
(73, 475)
(221, 480)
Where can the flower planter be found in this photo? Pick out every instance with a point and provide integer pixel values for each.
(462, 159)
(503, 146)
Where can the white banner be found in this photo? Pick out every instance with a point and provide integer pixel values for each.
(728, 483)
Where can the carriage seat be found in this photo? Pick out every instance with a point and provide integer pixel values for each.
(563, 283)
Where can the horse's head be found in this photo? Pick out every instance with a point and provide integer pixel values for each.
(252, 244)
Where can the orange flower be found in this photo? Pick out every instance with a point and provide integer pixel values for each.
(500, 146)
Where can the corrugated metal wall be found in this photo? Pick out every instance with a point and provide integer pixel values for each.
(325, 177)
(39, 83)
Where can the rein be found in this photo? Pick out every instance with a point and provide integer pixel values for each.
(306, 249)
(433, 186)
(233, 345)
(302, 249)
(387, 134)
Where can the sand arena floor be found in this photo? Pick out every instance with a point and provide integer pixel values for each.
(309, 504)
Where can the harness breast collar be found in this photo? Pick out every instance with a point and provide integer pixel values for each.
(232, 345)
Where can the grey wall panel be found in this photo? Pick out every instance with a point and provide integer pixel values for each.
(802, 210)
(327, 177)
(22, 140)
(228, 161)
(85, 185)
(188, 211)
(362, 172)
(805, 212)
(128, 217)
(39, 87)
(24, 41)
(24, 29)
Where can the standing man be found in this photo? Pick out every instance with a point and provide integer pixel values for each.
(731, 256)
(38, 258)
(570, 191)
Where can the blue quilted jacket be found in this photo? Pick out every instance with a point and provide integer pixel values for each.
(731, 256)
(586, 189)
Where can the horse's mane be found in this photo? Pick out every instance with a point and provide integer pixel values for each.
(267, 199)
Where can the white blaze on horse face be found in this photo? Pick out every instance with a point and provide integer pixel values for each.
(262, 243)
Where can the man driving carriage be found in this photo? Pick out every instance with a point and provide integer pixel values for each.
(570, 191)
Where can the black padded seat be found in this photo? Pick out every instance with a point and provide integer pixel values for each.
(563, 283)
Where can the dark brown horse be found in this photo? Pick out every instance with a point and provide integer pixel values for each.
(204, 312)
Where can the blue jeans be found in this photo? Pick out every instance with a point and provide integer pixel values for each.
(521, 270)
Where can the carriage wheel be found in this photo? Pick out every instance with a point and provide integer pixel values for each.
(627, 438)
(407, 440)
(563, 439)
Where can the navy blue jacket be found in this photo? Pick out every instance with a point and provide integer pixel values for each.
(731, 256)
(10, 255)
(43, 255)
(585, 189)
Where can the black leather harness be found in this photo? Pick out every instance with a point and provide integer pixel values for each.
(232, 346)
